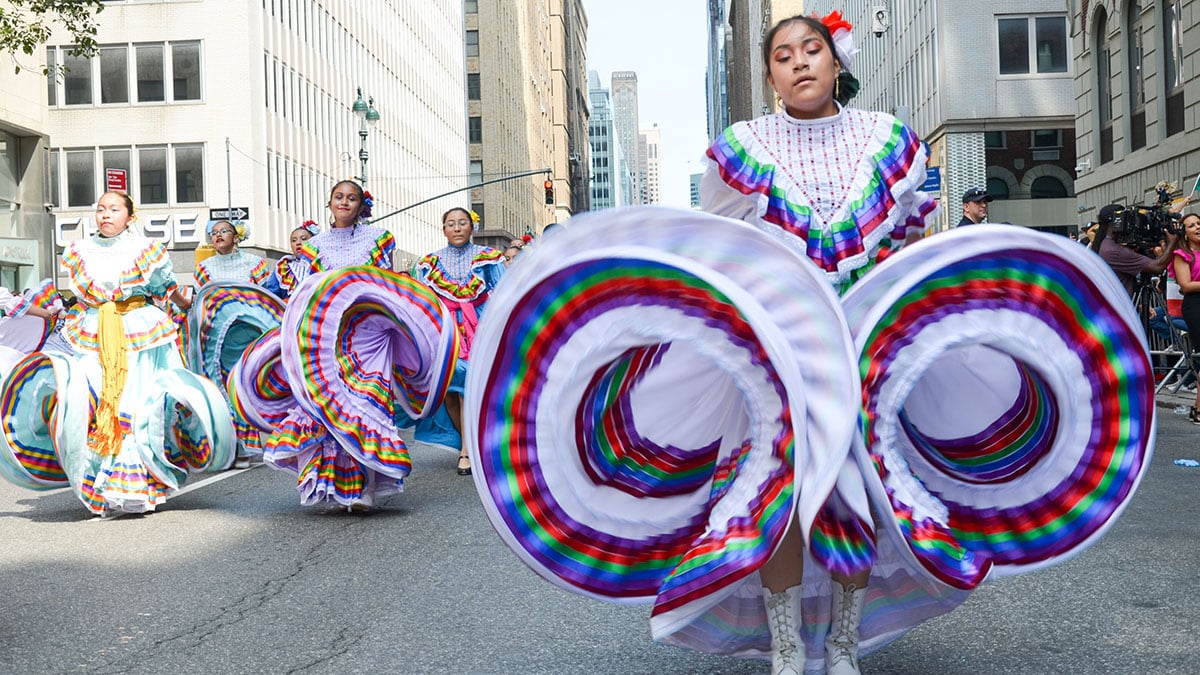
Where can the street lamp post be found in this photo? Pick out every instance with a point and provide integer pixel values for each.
(368, 116)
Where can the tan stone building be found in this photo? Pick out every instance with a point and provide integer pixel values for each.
(1137, 97)
(524, 77)
(570, 109)
(648, 156)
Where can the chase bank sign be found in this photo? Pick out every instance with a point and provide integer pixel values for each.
(170, 228)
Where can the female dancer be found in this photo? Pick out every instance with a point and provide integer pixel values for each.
(463, 276)
(349, 239)
(838, 211)
(229, 311)
(291, 270)
(688, 412)
(151, 416)
(230, 263)
(358, 342)
(1186, 264)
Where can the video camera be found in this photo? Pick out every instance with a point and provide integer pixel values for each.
(1143, 227)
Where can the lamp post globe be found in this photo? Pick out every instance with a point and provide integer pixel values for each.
(365, 110)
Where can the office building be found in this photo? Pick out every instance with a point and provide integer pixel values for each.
(247, 106)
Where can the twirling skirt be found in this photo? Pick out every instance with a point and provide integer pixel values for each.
(226, 317)
(175, 423)
(357, 345)
(663, 399)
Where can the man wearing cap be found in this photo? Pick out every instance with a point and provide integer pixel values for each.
(1124, 261)
(975, 206)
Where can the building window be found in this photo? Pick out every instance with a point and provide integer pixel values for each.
(189, 173)
(473, 92)
(997, 188)
(470, 6)
(994, 140)
(115, 158)
(185, 69)
(150, 73)
(1135, 52)
(77, 83)
(472, 43)
(149, 66)
(477, 207)
(1046, 138)
(476, 172)
(51, 83)
(114, 74)
(1047, 187)
(1043, 51)
(475, 130)
(1103, 86)
(152, 173)
(1172, 21)
(81, 177)
(55, 192)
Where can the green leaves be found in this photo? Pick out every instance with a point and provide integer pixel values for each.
(26, 25)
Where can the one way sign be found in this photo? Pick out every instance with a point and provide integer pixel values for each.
(236, 213)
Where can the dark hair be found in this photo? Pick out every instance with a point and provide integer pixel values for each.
(458, 208)
(124, 197)
(1183, 232)
(847, 85)
(358, 188)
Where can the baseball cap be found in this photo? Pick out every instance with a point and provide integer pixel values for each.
(976, 194)
(1108, 213)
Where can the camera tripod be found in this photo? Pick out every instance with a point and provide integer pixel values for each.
(1170, 353)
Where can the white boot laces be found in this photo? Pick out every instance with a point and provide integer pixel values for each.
(842, 638)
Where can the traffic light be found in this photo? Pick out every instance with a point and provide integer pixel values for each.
(549, 185)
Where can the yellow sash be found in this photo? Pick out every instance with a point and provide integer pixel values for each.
(114, 363)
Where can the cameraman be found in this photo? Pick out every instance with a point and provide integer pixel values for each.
(1112, 244)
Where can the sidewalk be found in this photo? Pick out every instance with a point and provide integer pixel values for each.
(1166, 398)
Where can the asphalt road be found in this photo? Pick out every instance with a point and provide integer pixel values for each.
(235, 577)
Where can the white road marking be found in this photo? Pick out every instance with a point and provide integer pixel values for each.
(228, 473)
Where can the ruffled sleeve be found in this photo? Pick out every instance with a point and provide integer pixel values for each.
(311, 257)
(385, 249)
(494, 272)
(916, 207)
(158, 271)
(260, 273)
(718, 197)
(201, 275)
(735, 180)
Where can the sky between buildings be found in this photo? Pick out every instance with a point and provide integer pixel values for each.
(665, 42)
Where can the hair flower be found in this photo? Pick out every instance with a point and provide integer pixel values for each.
(843, 38)
(368, 204)
(312, 227)
(474, 216)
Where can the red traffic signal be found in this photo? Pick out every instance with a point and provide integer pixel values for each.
(549, 185)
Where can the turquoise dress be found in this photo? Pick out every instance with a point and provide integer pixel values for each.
(147, 431)
(463, 278)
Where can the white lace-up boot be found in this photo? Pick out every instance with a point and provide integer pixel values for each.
(783, 617)
(841, 645)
